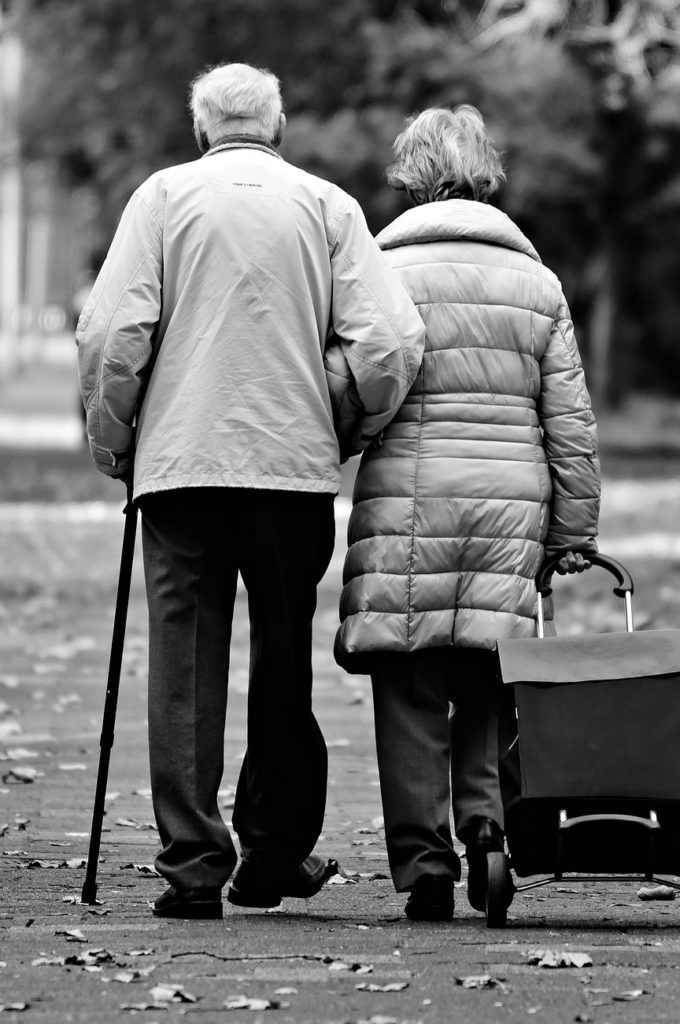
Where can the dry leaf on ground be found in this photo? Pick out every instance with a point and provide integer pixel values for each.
(170, 993)
(479, 981)
(630, 996)
(246, 1003)
(72, 934)
(561, 958)
(392, 986)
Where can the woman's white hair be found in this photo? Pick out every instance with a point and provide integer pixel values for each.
(446, 154)
(236, 92)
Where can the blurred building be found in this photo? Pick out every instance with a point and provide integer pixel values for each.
(39, 227)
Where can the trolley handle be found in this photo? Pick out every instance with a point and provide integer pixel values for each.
(623, 577)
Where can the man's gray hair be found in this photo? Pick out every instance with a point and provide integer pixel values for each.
(236, 92)
(446, 154)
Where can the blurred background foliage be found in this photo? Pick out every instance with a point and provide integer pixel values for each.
(581, 96)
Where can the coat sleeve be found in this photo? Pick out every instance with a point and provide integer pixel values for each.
(570, 441)
(376, 325)
(115, 333)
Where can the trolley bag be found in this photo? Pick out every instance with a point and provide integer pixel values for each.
(591, 773)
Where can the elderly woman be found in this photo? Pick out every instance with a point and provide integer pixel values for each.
(489, 465)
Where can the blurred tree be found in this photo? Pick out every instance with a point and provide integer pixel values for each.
(581, 95)
(630, 50)
(106, 93)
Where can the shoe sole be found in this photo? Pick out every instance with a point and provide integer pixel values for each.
(244, 898)
(192, 911)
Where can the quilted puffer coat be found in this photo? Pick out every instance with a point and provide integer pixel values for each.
(491, 461)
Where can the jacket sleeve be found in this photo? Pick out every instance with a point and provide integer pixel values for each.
(376, 324)
(115, 333)
(570, 441)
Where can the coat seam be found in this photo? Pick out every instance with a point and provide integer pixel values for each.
(413, 526)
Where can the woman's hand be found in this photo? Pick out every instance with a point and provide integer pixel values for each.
(572, 561)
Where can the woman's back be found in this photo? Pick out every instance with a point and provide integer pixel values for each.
(453, 511)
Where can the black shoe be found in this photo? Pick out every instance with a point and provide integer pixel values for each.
(485, 836)
(189, 903)
(254, 886)
(431, 899)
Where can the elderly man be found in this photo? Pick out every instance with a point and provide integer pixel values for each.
(224, 280)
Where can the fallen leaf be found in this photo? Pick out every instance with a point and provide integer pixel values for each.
(478, 981)
(23, 775)
(285, 991)
(18, 754)
(379, 1018)
(244, 1003)
(341, 880)
(13, 1007)
(144, 869)
(141, 826)
(9, 729)
(91, 958)
(553, 958)
(392, 986)
(628, 997)
(72, 935)
(137, 1007)
(165, 993)
(69, 648)
(656, 892)
(140, 952)
(126, 977)
(49, 961)
(354, 968)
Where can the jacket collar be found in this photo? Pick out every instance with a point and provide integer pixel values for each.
(455, 220)
(242, 142)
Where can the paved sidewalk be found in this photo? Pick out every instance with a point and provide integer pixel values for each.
(65, 962)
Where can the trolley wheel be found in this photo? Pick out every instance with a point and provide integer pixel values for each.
(498, 890)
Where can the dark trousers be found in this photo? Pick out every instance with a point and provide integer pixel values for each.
(196, 541)
(429, 760)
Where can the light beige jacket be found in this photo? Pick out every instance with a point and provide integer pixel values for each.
(226, 276)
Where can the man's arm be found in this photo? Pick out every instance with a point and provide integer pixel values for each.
(376, 324)
(115, 333)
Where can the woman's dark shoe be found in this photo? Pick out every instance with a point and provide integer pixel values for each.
(485, 836)
(253, 886)
(431, 899)
(194, 904)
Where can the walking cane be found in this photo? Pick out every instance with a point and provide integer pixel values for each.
(89, 894)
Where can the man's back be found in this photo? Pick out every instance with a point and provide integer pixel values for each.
(232, 269)
(238, 396)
